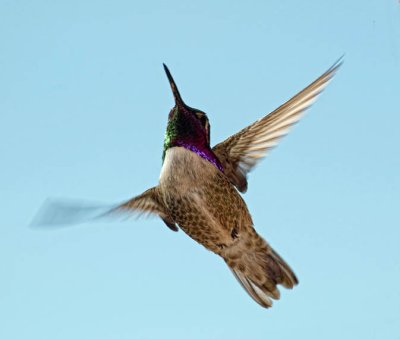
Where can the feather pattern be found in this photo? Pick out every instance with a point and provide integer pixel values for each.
(242, 151)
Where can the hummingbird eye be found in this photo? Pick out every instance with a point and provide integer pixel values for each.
(202, 118)
(204, 121)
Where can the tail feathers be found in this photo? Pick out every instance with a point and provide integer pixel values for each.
(261, 296)
(259, 271)
(289, 279)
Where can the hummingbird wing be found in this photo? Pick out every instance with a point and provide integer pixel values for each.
(66, 212)
(242, 151)
(149, 202)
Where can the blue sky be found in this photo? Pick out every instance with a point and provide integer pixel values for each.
(83, 109)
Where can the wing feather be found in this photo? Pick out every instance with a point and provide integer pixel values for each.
(67, 212)
(242, 151)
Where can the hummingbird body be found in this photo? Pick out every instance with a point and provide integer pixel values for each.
(207, 207)
(199, 189)
(200, 199)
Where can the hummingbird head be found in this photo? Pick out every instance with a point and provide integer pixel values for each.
(187, 127)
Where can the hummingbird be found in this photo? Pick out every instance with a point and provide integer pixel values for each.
(200, 187)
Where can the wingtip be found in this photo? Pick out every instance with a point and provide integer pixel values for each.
(57, 212)
(338, 63)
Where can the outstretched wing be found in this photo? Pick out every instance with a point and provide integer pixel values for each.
(67, 212)
(241, 152)
(149, 202)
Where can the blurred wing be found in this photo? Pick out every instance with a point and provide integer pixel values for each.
(149, 202)
(242, 151)
(67, 212)
(56, 212)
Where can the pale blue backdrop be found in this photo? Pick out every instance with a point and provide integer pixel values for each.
(83, 108)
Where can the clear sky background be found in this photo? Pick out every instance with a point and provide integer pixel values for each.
(83, 108)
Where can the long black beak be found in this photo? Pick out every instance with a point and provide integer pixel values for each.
(175, 92)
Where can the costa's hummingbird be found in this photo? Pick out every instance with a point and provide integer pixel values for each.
(199, 187)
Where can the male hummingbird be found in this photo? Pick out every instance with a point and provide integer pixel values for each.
(199, 189)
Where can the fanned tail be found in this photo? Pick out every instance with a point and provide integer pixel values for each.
(258, 268)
